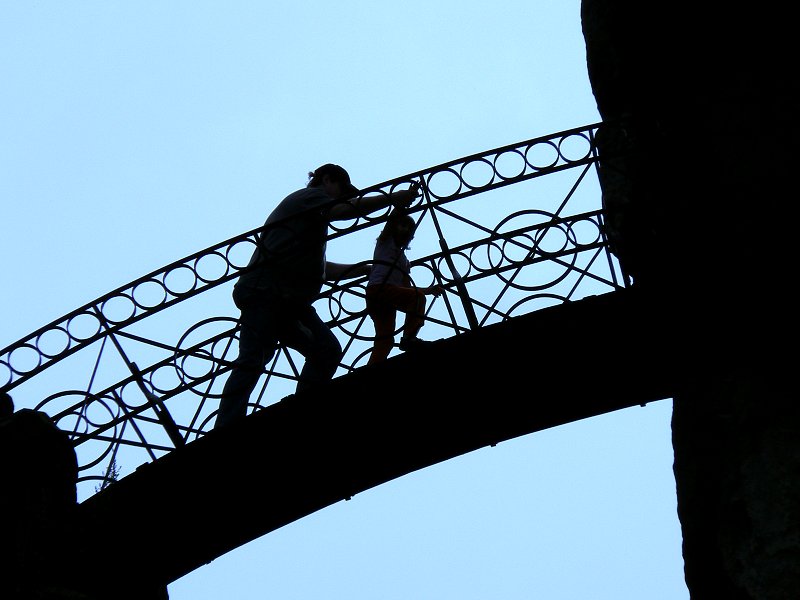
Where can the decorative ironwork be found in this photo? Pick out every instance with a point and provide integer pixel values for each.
(124, 414)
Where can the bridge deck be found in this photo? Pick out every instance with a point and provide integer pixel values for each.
(379, 423)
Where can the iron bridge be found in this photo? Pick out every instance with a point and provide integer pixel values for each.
(138, 372)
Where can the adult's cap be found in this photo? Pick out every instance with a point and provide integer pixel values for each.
(338, 174)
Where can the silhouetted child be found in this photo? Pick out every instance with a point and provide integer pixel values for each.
(389, 289)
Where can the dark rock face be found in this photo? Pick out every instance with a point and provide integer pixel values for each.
(45, 543)
(701, 215)
(737, 466)
(39, 470)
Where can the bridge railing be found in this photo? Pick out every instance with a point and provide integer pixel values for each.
(138, 372)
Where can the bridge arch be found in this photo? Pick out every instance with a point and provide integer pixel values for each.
(149, 375)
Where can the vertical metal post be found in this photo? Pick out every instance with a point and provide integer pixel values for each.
(462, 289)
(166, 420)
(469, 310)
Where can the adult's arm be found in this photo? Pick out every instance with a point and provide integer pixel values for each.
(338, 271)
(360, 207)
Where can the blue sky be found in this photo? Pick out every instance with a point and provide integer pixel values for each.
(134, 133)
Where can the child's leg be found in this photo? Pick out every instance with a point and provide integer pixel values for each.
(384, 321)
(410, 301)
(383, 316)
(415, 313)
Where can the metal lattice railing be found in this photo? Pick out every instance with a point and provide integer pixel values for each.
(138, 372)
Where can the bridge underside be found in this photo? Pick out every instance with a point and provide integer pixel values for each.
(309, 451)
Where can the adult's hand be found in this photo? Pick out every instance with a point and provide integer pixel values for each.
(403, 198)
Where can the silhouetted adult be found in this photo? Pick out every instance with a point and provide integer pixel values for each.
(289, 265)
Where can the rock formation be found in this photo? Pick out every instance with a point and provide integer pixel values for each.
(700, 214)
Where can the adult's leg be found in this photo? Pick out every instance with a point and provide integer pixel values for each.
(310, 336)
(258, 339)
